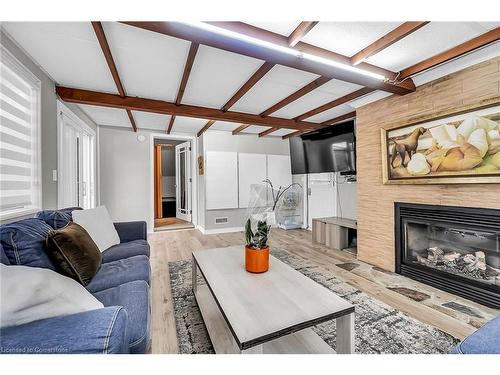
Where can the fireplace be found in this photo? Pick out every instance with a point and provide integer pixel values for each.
(456, 249)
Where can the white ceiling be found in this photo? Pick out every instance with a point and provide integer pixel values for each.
(216, 75)
(151, 65)
(347, 38)
(276, 85)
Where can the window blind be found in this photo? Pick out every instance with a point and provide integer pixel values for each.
(18, 138)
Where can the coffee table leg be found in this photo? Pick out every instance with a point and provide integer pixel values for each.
(194, 279)
(345, 334)
(253, 350)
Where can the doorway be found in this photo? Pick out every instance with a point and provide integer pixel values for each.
(76, 161)
(172, 184)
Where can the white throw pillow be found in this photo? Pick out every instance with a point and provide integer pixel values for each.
(98, 224)
(31, 293)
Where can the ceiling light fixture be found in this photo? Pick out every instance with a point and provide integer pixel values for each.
(290, 51)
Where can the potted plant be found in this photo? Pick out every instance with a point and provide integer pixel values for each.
(256, 249)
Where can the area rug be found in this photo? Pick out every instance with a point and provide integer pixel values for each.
(379, 327)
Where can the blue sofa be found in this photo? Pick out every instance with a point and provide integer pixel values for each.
(122, 285)
(486, 340)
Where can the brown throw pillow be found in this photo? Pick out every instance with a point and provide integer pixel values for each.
(74, 253)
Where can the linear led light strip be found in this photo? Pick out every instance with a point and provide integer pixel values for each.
(276, 47)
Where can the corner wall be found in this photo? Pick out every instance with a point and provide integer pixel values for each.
(476, 84)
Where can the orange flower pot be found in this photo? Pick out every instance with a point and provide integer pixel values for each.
(257, 260)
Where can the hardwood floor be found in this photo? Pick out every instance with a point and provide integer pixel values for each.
(430, 305)
(171, 223)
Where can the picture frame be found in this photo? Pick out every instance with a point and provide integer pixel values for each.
(451, 148)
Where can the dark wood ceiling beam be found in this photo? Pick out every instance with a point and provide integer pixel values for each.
(170, 124)
(159, 106)
(227, 43)
(300, 32)
(324, 124)
(457, 51)
(334, 120)
(261, 72)
(296, 95)
(387, 40)
(335, 103)
(240, 128)
(267, 132)
(193, 49)
(205, 128)
(103, 42)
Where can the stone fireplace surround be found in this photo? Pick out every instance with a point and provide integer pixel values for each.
(456, 249)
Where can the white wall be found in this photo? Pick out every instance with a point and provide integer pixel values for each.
(214, 140)
(124, 173)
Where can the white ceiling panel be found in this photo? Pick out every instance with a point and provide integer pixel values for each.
(255, 129)
(277, 84)
(188, 125)
(280, 27)
(68, 51)
(107, 116)
(326, 93)
(148, 120)
(150, 65)
(347, 38)
(216, 76)
(281, 132)
(224, 125)
(331, 113)
(426, 42)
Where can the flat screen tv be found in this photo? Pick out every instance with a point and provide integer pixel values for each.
(331, 149)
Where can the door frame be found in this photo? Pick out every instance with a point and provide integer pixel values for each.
(194, 175)
(188, 216)
(62, 109)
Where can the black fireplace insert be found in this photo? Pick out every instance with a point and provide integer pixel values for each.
(456, 249)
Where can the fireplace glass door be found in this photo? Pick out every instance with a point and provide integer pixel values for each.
(453, 250)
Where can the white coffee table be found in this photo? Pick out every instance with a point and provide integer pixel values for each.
(272, 312)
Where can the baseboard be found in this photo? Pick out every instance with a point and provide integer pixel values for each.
(220, 230)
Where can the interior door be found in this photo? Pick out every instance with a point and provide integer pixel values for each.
(76, 165)
(183, 181)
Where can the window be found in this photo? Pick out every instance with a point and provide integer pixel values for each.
(20, 184)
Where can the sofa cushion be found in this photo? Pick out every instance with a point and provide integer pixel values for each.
(134, 297)
(120, 272)
(100, 331)
(32, 293)
(24, 243)
(57, 218)
(99, 225)
(3, 259)
(125, 250)
(74, 253)
(486, 340)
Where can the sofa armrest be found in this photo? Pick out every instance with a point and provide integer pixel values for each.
(99, 331)
(132, 230)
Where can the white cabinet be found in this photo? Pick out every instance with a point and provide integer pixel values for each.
(221, 180)
(251, 171)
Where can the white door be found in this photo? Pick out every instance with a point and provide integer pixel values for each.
(76, 163)
(322, 196)
(183, 180)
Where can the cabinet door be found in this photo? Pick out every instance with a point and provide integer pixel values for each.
(251, 171)
(221, 180)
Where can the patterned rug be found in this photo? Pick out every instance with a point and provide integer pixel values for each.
(379, 327)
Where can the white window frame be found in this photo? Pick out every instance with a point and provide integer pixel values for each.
(63, 110)
(36, 174)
